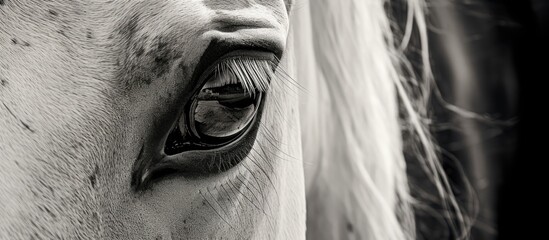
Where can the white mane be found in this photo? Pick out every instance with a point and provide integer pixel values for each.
(351, 68)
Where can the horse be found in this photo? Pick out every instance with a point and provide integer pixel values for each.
(210, 119)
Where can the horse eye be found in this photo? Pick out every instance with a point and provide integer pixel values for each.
(222, 112)
(224, 108)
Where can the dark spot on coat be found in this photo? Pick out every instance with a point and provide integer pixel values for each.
(3, 82)
(350, 227)
(24, 43)
(93, 176)
(1, 2)
(76, 145)
(139, 51)
(95, 216)
(52, 12)
(130, 28)
(46, 209)
(89, 35)
(161, 58)
(142, 64)
(143, 58)
(24, 124)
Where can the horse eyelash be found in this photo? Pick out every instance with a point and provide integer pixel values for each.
(255, 75)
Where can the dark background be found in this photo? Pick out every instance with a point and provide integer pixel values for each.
(505, 44)
(488, 58)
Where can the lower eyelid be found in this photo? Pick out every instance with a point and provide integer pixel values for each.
(200, 163)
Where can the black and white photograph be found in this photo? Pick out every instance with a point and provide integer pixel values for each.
(272, 119)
